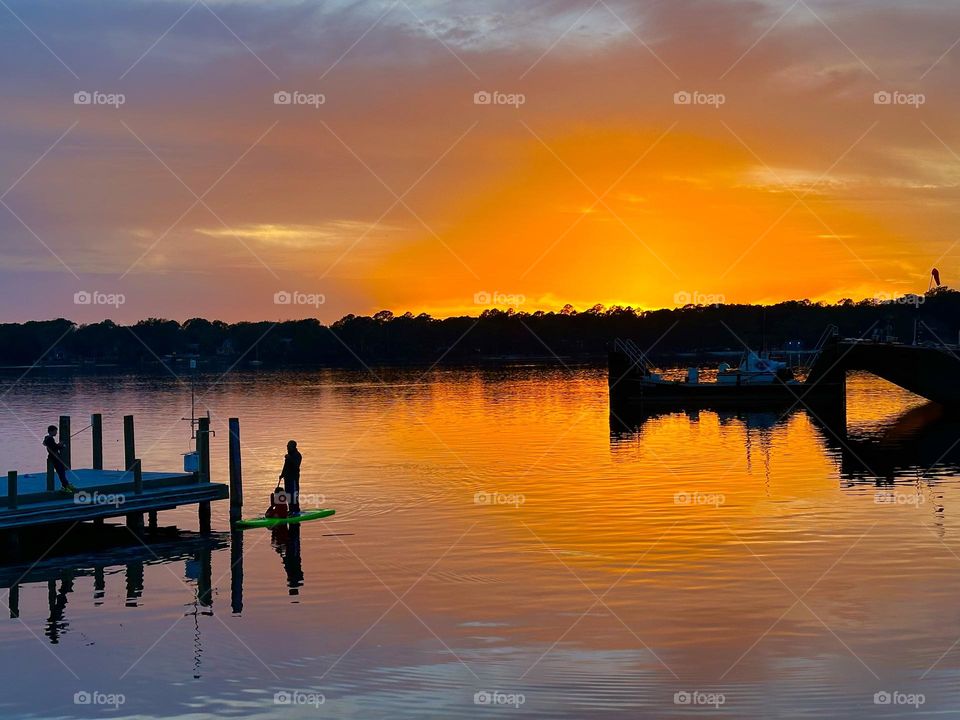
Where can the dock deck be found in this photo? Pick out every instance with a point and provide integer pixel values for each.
(103, 493)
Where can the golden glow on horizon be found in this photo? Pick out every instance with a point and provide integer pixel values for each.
(689, 219)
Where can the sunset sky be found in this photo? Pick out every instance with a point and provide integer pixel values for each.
(786, 176)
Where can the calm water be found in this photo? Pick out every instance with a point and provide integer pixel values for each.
(495, 534)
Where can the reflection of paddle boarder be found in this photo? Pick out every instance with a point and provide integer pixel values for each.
(291, 475)
(286, 541)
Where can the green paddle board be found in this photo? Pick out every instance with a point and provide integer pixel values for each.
(303, 517)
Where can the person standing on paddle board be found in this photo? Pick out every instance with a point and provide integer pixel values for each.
(54, 452)
(291, 475)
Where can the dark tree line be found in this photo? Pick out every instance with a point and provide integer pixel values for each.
(385, 338)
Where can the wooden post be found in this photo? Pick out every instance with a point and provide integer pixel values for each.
(203, 448)
(152, 520)
(129, 446)
(96, 430)
(12, 489)
(49, 474)
(64, 431)
(134, 520)
(137, 477)
(236, 473)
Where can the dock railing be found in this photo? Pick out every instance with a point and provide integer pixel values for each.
(636, 356)
(828, 332)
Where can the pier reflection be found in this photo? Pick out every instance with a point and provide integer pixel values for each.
(104, 566)
(920, 444)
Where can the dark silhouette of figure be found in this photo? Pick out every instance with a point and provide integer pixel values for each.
(286, 541)
(291, 475)
(55, 453)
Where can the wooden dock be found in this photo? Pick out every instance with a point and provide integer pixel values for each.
(103, 494)
(33, 500)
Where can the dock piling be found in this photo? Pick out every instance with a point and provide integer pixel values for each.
(129, 446)
(64, 430)
(137, 477)
(203, 448)
(96, 431)
(49, 474)
(12, 489)
(236, 473)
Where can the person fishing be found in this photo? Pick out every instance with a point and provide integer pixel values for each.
(55, 454)
(290, 475)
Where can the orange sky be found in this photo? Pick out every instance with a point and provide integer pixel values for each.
(400, 192)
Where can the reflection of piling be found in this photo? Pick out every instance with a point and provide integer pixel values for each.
(205, 580)
(99, 585)
(134, 583)
(236, 572)
(13, 602)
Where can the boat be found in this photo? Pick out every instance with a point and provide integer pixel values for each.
(757, 380)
